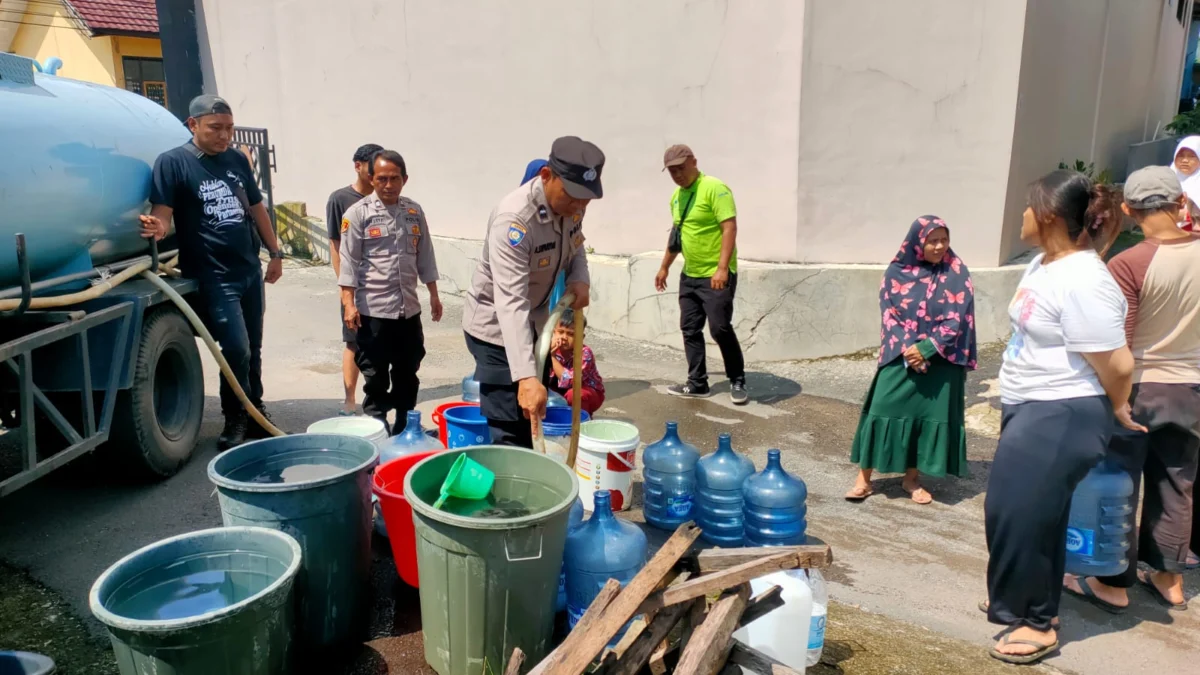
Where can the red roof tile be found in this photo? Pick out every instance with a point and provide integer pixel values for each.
(124, 16)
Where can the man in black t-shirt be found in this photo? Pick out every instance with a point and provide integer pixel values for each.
(209, 191)
(339, 202)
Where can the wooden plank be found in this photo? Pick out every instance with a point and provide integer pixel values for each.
(658, 660)
(582, 646)
(695, 617)
(705, 653)
(515, 662)
(718, 559)
(757, 662)
(640, 650)
(589, 619)
(719, 581)
(762, 604)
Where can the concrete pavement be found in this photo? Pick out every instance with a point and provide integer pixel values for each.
(920, 567)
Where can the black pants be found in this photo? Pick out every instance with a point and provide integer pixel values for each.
(698, 303)
(234, 309)
(498, 394)
(1046, 448)
(389, 355)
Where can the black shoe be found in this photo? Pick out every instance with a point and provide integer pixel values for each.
(234, 433)
(737, 393)
(254, 430)
(689, 391)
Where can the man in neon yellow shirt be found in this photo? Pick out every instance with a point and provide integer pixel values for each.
(704, 222)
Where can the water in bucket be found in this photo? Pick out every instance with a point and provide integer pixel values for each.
(601, 548)
(669, 469)
(774, 506)
(297, 473)
(719, 481)
(1101, 517)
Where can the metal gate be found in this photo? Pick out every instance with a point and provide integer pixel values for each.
(256, 145)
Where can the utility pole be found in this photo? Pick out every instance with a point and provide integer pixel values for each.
(181, 53)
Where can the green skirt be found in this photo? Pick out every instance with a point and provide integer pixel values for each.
(914, 420)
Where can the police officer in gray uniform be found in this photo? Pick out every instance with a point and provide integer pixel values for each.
(536, 231)
(385, 250)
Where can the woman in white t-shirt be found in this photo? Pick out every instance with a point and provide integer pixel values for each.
(1067, 371)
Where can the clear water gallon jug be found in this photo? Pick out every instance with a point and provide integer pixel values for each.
(1101, 517)
(556, 400)
(773, 506)
(574, 519)
(669, 469)
(601, 548)
(719, 481)
(470, 389)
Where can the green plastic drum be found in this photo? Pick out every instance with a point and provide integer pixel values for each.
(489, 570)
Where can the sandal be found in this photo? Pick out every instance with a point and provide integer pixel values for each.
(1055, 623)
(859, 493)
(919, 495)
(1145, 580)
(1193, 561)
(1043, 650)
(1086, 594)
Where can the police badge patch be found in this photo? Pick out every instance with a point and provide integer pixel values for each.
(516, 234)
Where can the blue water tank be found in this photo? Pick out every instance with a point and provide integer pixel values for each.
(75, 165)
(574, 519)
(1101, 518)
(600, 549)
(719, 481)
(774, 506)
(669, 469)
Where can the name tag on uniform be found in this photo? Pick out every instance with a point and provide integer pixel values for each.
(374, 232)
(548, 246)
(412, 219)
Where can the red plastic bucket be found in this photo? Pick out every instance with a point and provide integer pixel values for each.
(388, 485)
(440, 420)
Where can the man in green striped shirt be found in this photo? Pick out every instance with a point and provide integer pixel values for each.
(704, 222)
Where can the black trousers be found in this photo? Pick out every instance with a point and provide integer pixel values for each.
(234, 311)
(699, 303)
(389, 355)
(1046, 448)
(498, 394)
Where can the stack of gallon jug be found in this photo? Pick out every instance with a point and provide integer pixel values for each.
(734, 506)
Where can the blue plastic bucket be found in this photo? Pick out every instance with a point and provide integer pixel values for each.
(317, 488)
(25, 663)
(213, 601)
(558, 421)
(465, 427)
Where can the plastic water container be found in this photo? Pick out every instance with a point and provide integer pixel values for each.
(573, 521)
(1101, 518)
(773, 506)
(466, 427)
(600, 549)
(556, 430)
(556, 400)
(413, 440)
(363, 427)
(783, 633)
(669, 469)
(820, 610)
(606, 461)
(719, 481)
(470, 389)
(25, 663)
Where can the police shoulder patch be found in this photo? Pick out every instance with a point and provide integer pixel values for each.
(516, 234)
(345, 225)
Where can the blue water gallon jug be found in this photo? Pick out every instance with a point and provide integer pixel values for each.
(412, 439)
(669, 469)
(774, 507)
(1101, 518)
(470, 389)
(600, 549)
(719, 480)
(574, 519)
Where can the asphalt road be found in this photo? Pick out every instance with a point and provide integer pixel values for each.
(920, 565)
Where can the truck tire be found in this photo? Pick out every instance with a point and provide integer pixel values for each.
(157, 421)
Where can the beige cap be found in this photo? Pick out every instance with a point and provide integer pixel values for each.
(676, 155)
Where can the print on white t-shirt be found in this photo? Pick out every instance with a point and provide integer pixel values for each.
(1061, 311)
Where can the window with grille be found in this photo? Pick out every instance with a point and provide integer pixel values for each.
(145, 77)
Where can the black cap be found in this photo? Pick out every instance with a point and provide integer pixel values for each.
(208, 104)
(579, 165)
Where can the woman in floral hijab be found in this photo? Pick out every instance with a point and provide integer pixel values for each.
(912, 421)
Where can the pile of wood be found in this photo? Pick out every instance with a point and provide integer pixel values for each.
(689, 607)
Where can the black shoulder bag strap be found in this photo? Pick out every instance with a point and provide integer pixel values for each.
(675, 238)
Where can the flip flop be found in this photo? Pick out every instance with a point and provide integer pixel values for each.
(345, 413)
(919, 495)
(1144, 579)
(1043, 651)
(859, 493)
(1193, 561)
(1086, 594)
(1054, 623)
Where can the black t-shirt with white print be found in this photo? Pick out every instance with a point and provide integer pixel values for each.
(210, 196)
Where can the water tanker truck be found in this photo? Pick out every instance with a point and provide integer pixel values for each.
(92, 353)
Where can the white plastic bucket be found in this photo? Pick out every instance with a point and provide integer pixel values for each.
(606, 460)
(363, 427)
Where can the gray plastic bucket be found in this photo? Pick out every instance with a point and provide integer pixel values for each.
(25, 663)
(330, 516)
(213, 601)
